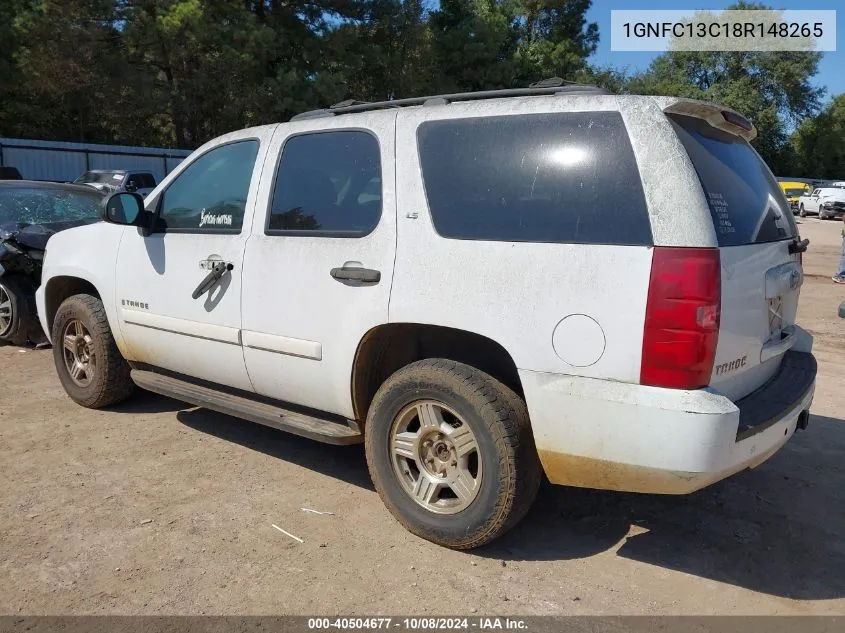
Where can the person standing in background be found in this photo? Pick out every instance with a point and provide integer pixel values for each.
(839, 277)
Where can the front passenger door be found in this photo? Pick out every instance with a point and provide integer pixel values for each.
(204, 216)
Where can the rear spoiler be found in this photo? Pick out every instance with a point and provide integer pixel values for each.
(719, 117)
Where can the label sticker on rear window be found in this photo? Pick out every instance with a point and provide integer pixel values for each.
(744, 199)
(719, 208)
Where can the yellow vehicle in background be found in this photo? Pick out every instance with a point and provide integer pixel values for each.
(793, 191)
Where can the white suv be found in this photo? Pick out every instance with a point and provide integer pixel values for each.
(480, 287)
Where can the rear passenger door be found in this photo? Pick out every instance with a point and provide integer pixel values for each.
(319, 264)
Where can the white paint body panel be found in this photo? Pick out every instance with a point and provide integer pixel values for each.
(810, 201)
(571, 316)
(515, 293)
(293, 304)
(86, 252)
(658, 440)
(744, 327)
(196, 337)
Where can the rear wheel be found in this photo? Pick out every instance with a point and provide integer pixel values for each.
(90, 367)
(18, 318)
(451, 453)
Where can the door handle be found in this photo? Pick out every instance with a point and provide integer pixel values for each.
(350, 273)
(218, 269)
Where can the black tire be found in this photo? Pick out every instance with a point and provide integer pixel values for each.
(23, 325)
(499, 420)
(110, 382)
(802, 212)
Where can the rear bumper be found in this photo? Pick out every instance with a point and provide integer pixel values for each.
(617, 436)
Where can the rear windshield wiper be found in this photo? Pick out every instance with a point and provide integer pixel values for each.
(796, 246)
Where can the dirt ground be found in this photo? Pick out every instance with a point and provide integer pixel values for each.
(155, 507)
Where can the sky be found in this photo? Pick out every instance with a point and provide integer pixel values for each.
(831, 68)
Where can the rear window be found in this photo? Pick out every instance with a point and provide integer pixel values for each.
(565, 178)
(746, 203)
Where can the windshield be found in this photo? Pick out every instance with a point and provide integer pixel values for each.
(795, 192)
(42, 206)
(100, 178)
(746, 203)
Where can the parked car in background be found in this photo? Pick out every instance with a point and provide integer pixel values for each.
(10, 173)
(31, 212)
(111, 180)
(480, 287)
(826, 202)
(793, 191)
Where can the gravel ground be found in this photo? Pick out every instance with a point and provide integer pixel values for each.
(155, 507)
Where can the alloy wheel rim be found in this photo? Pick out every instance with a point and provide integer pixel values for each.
(7, 316)
(435, 456)
(78, 353)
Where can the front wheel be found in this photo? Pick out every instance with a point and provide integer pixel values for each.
(802, 212)
(90, 367)
(451, 453)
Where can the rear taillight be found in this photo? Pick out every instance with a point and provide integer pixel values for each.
(681, 318)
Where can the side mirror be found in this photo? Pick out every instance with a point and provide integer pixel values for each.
(126, 208)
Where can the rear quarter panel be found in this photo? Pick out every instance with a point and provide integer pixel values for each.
(517, 293)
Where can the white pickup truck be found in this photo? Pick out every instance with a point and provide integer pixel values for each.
(826, 202)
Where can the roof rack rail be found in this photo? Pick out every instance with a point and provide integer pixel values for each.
(551, 86)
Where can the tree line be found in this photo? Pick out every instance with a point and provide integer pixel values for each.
(176, 73)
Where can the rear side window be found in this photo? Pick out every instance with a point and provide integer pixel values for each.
(565, 178)
(746, 203)
(329, 184)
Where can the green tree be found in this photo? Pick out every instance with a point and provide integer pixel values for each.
(486, 44)
(205, 58)
(382, 53)
(67, 63)
(10, 78)
(474, 44)
(773, 89)
(555, 37)
(179, 72)
(818, 143)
